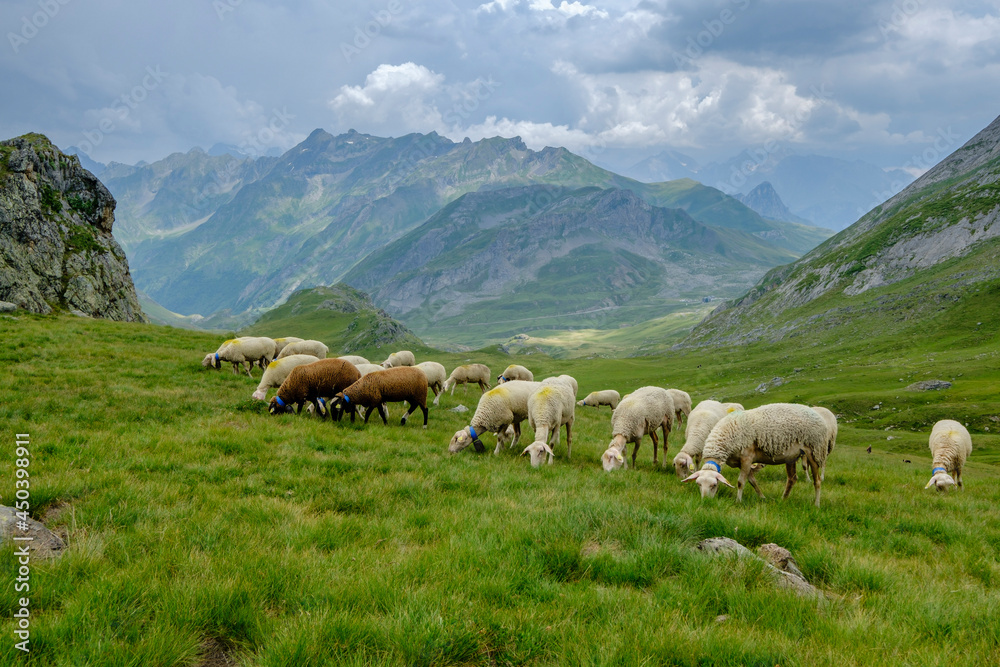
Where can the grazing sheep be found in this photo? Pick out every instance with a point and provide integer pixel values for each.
(500, 407)
(771, 434)
(550, 407)
(401, 358)
(354, 359)
(436, 376)
(469, 374)
(515, 372)
(392, 385)
(313, 347)
(639, 413)
(950, 445)
(278, 370)
(280, 343)
(313, 382)
(242, 352)
(682, 403)
(364, 369)
(599, 398)
(700, 423)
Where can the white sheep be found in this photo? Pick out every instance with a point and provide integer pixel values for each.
(436, 375)
(549, 407)
(700, 423)
(354, 359)
(638, 414)
(365, 369)
(278, 370)
(469, 374)
(771, 434)
(950, 445)
(599, 398)
(242, 352)
(401, 358)
(515, 372)
(316, 348)
(500, 407)
(280, 343)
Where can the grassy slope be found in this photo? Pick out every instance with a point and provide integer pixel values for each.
(195, 521)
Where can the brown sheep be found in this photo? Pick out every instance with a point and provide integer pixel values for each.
(312, 382)
(401, 383)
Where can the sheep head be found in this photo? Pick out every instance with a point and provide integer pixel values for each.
(683, 463)
(941, 481)
(613, 459)
(278, 406)
(463, 439)
(708, 481)
(538, 451)
(339, 404)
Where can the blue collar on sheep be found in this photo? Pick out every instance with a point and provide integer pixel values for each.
(937, 470)
(480, 447)
(718, 468)
(216, 357)
(281, 403)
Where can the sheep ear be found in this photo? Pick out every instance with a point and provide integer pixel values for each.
(526, 450)
(549, 450)
(691, 478)
(724, 481)
(930, 483)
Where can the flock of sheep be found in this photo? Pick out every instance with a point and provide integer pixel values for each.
(716, 434)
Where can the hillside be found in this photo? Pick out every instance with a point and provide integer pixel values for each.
(498, 262)
(208, 532)
(929, 249)
(340, 316)
(56, 245)
(305, 218)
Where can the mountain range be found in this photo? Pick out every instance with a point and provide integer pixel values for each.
(826, 191)
(207, 233)
(926, 253)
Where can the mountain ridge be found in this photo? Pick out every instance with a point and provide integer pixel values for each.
(943, 224)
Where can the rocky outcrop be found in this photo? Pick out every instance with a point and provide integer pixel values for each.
(56, 247)
(765, 200)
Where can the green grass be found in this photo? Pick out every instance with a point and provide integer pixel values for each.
(195, 521)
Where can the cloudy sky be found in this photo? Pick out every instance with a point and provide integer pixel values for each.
(879, 80)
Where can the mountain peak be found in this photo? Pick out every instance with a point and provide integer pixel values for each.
(765, 200)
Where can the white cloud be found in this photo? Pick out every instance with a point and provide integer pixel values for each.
(403, 97)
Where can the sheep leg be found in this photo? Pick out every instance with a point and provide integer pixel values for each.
(817, 474)
(517, 434)
(791, 471)
(958, 478)
(635, 450)
(424, 408)
(413, 406)
(753, 482)
(569, 440)
(656, 445)
(437, 393)
(383, 412)
(368, 412)
(741, 481)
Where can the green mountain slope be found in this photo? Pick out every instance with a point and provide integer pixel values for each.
(930, 248)
(332, 200)
(494, 263)
(340, 316)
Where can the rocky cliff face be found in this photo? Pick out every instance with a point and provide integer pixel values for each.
(56, 248)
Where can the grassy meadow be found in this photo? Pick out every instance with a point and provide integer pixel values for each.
(202, 531)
